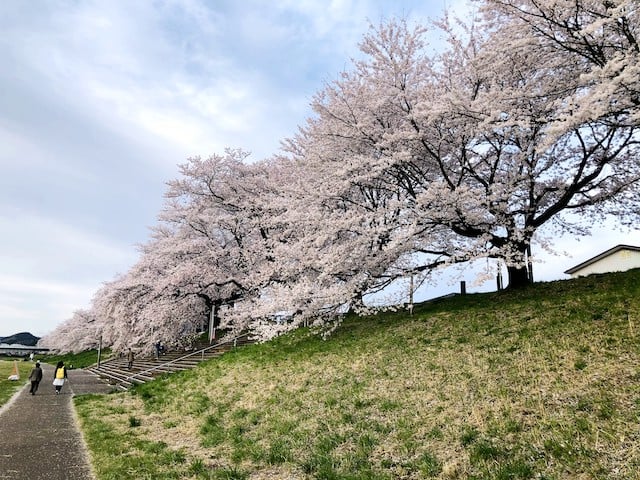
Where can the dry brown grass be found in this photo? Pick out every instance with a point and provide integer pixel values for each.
(539, 384)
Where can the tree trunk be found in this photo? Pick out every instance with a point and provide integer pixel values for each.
(216, 314)
(518, 276)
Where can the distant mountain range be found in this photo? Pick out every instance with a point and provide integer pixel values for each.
(23, 338)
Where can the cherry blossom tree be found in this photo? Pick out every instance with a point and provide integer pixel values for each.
(523, 127)
(79, 333)
(600, 39)
(135, 310)
(224, 210)
(205, 252)
(472, 145)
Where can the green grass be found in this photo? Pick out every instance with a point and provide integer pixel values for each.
(542, 383)
(9, 387)
(75, 360)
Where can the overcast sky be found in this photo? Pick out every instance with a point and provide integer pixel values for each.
(100, 100)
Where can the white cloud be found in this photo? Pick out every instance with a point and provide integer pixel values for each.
(124, 64)
(50, 269)
(38, 247)
(13, 285)
(38, 306)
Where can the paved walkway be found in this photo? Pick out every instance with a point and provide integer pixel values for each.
(39, 435)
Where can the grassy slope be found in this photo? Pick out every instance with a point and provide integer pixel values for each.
(75, 360)
(9, 387)
(541, 383)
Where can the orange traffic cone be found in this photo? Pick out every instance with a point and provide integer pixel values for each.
(15, 375)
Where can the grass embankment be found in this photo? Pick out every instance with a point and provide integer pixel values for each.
(541, 383)
(75, 360)
(9, 387)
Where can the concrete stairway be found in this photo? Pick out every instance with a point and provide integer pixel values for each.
(144, 369)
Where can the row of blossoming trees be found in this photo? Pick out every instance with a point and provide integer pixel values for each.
(413, 159)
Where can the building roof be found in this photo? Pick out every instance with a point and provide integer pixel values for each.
(605, 254)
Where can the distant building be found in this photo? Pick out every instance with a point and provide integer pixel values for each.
(616, 259)
(18, 350)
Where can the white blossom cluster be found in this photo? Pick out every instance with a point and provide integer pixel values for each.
(412, 160)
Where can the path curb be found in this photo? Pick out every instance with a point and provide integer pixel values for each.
(41, 437)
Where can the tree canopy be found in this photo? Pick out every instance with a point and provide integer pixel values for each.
(522, 127)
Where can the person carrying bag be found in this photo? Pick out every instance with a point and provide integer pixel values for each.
(59, 376)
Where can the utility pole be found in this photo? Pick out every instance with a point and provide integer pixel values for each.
(212, 328)
(99, 348)
(411, 294)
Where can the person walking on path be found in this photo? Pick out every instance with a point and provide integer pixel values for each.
(59, 376)
(34, 377)
(40, 437)
(129, 359)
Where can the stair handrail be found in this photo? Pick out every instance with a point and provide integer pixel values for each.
(233, 340)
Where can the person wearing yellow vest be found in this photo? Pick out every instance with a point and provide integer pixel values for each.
(59, 376)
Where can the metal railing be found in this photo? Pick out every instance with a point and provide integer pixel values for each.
(131, 378)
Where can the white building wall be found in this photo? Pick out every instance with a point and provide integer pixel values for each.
(617, 262)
